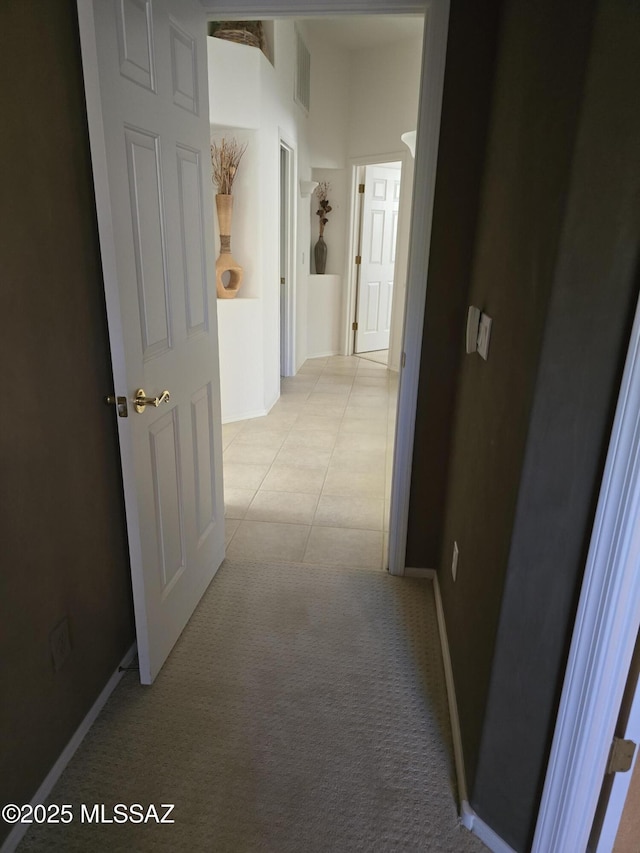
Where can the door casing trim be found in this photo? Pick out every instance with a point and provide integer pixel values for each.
(604, 635)
(290, 286)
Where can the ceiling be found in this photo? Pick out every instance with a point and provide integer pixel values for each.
(354, 32)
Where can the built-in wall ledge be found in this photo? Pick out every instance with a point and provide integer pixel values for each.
(307, 187)
(238, 299)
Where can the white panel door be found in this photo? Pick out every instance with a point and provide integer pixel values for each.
(147, 103)
(378, 255)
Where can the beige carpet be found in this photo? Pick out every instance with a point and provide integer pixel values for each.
(302, 710)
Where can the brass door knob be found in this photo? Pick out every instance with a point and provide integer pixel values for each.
(141, 401)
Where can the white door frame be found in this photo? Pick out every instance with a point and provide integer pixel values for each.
(288, 322)
(350, 297)
(604, 635)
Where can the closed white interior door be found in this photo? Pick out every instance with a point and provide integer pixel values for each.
(151, 164)
(378, 255)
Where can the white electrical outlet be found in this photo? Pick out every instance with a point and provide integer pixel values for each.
(454, 561)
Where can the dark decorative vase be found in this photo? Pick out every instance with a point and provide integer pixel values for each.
(320, 255)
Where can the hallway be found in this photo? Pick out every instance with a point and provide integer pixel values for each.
(310, 482)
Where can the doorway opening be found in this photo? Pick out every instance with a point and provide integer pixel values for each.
(308, 466)
(246, 327)
(376, 284)
(379, 197)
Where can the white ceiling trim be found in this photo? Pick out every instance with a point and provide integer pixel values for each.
(247, 9)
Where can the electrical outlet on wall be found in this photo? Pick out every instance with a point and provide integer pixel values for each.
(60, 643)
(454, 561)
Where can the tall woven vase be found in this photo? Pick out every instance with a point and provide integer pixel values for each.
(226, 262)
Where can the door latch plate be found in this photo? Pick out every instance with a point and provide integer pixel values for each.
(621, 755)
(120, 403)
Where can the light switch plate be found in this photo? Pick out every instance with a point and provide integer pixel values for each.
(484, 333)
(473, 321)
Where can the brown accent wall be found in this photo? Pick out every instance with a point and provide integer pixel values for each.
(63, 548)
(539, 79)
(595, 286)
(466, 111)
(511, 471)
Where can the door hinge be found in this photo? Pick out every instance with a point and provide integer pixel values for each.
(621, 755)
(360, 188)
(403, 360)
(282, 280)
(358, 260)
(120, 403)
(354, 327)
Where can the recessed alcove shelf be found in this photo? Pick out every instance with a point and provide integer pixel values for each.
(338, 226)
(236, 97)
(240, 324)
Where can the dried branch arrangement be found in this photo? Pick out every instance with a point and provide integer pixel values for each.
(322, 191)
(225, 159)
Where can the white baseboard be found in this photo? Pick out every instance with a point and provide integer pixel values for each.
(18, 831)
(458, 754)
(245, 416)
(327, 354)
(467, 815)
(476, 825)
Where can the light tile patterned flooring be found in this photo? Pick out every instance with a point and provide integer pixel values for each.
(310, 482)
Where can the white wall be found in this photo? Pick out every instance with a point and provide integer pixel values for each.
(253, 101)
(383, 97)
(361, 102)
(324, 309)
(329, 114)
(281, 117)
